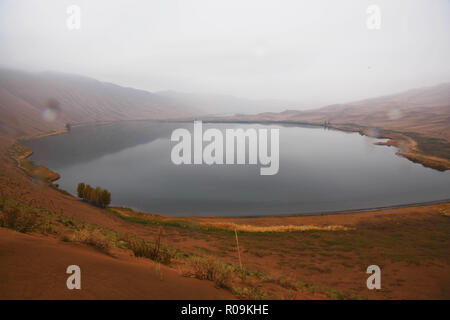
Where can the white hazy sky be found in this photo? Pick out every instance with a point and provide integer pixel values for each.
(315, 52)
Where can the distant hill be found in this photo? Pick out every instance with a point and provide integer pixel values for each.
(221, 104)
(32, 103)
(425, 111)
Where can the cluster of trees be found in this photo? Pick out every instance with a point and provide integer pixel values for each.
(98, 196)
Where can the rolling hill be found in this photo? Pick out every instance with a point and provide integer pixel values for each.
(33, 103)
(425, 111)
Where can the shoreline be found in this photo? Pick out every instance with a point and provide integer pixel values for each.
(338, 221)
(287, 257)
(407, 146)
(325, 213)
(19, 153)
(393, 141)
(282, 216)
(288, 215)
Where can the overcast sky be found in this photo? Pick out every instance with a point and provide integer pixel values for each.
(314, 52)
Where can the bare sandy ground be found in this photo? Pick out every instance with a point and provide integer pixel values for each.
(33, 267)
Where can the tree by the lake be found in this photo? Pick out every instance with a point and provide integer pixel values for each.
(98, 196)
(87, 193)
(80, 190)
(105, 198)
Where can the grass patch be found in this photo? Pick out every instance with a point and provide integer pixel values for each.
(279, 228)
(445, 212)
(26, 218)
(130, 215)
(94, 239)
(16, 219)
(209, 269)
(153, 251)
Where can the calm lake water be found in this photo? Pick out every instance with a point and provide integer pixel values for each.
(320, 171)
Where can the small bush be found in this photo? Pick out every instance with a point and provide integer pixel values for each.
(223, 277)
(121, 244)
(19, 221)
(95, 239)
(203, 269)
(142, 248)
(209, 269)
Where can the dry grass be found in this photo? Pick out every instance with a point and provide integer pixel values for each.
(145, 249)
(93, 238)
(209, 269)
(445, 212)
(18, 220)
(275, 228)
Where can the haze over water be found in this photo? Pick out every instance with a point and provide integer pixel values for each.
(320, 171)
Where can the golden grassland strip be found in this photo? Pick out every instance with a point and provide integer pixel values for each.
(445, 212)
(274, 228)
(151, 219)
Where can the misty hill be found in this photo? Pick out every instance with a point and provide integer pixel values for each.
(31, 103)
(425, 110)
(221, 104)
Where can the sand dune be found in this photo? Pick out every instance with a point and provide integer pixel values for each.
(425, 111)
(26, 107)
(42, 274)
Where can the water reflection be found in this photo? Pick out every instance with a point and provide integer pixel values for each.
(320, 171)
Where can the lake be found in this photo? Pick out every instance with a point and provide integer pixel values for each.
(320, 171)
